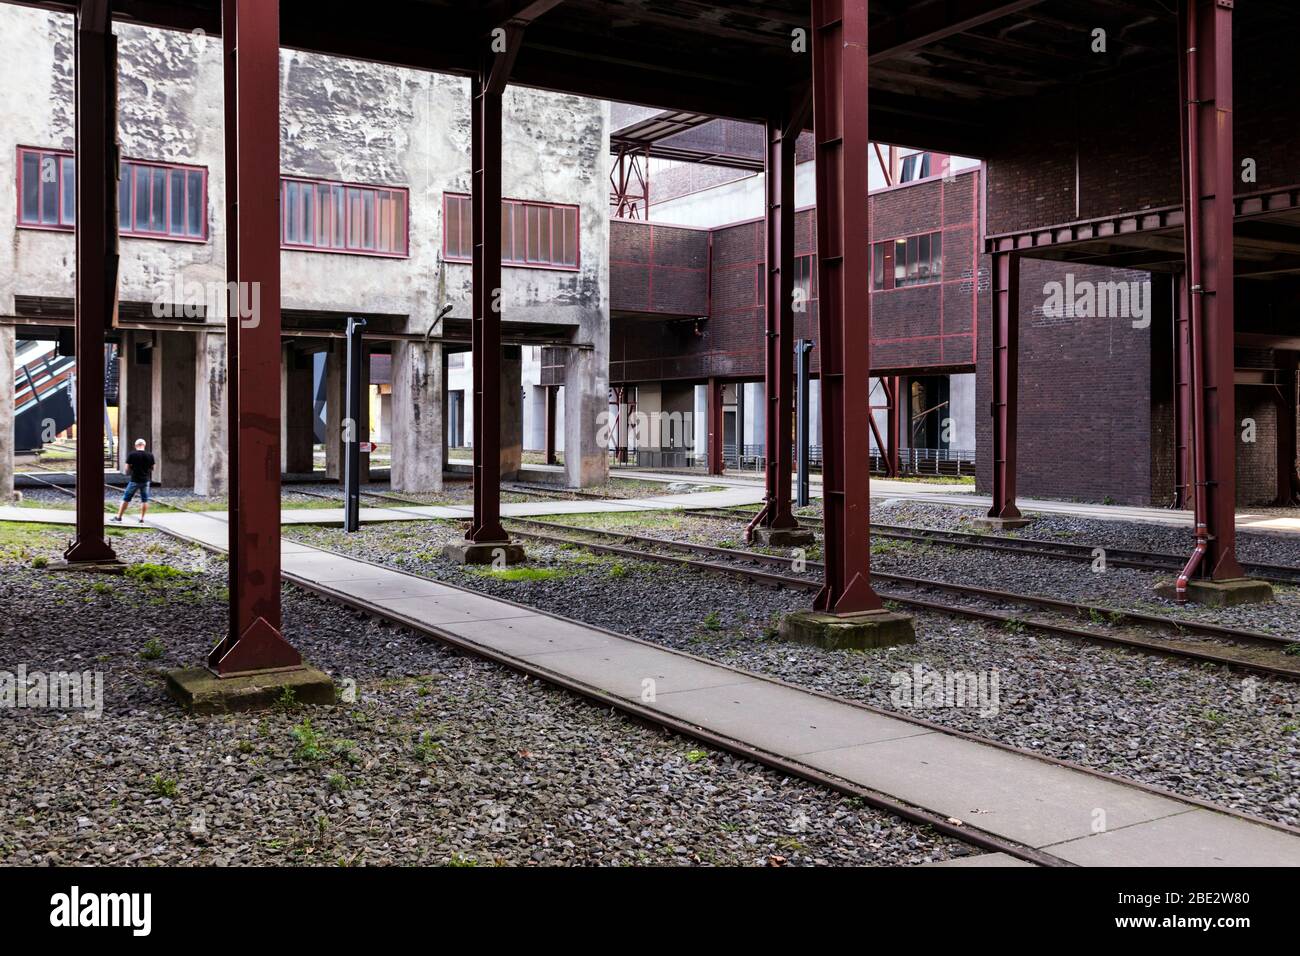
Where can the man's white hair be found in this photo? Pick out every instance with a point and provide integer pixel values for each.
(140, 443)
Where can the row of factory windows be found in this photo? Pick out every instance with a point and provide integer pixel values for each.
(170, 201)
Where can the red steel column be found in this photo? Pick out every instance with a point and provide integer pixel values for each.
(1286, 432)
(716, 430)
(1209, 174)
(96, 165)
(485, 107)
(897, 415)
(251, 42)
(1006, 373)
(839, 53)
(782, 134)
(1183, 441)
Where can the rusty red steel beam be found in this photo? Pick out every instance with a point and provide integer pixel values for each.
(782, 134)
(716, 461)
(1209, 177)
(1005, 334)
(96, 281)
(251, 46)
(839, 55)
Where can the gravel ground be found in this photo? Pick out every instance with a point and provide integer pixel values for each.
(443, 759)
(1201, 731)
(1265, 548)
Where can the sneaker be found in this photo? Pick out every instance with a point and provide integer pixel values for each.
(142, 521)
(117, 518)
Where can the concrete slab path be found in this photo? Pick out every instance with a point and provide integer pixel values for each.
(1067, 813)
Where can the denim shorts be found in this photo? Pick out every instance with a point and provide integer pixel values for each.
(132, 487)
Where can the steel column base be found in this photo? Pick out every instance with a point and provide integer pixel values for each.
(200, 692)
(791, 537)
(486, 552)
(260, 648)
(92, 555)
(838, 632)
(1219, 593)
(1002, 524)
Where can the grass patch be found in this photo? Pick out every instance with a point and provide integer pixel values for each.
(153, 650)
(150, 573)
(520, 574)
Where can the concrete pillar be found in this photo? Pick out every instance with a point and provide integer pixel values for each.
(134, 392)
(335, 385)
(211, 415)
(756, 411)
(512, 411)
(297, 437)
(700, 432)
(585, 396)
(418, 417)
(6, 413)
(173, 408)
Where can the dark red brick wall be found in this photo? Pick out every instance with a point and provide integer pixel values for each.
(659, 269)
(917, 328)
(1085, 398)
(1114, 147)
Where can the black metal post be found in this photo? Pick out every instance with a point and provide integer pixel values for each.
(801, 373)
(352, 428)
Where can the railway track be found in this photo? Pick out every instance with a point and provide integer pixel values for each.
(1253, 651)
(1056, 550)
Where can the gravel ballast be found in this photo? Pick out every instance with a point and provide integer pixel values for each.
(1202, 731)
(443, 758)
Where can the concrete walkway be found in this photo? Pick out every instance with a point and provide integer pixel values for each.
(1070, 814)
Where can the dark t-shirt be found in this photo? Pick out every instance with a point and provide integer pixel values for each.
(140, 465)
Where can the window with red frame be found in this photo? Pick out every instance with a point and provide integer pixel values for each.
(47, 189)
(805, 278)
(532, 233)
(154, 199)
(162, 200)
(337, 217)
(914, 260)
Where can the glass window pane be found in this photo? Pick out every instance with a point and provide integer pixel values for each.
(158, 201)
(195, 205)
(923, 257)
(878, 266)
(176, 203)
(912, 259)
(340, 217)
(290, 212)
(69, 191)
(141, 220)
(355, 219)
(124, 199)
(936, 255)
(570, 237)
(451, 228)
(507, 232)
(399, 222)
(369, 201)
(31, 181)
(49, 189)
(900, 261)
(305, 196)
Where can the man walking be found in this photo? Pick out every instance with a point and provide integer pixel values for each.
(139, 468)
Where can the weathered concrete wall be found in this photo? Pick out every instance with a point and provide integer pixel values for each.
(341, 120)
(174, 408)
(417, 417)
(211, 419)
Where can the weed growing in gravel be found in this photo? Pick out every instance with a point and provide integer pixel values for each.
(310, 745)
(695, 756)
(1292, 650)
(1015, 625)
(165, 786)
(425, 748)
(618, 570)
(1213, 717)
(288, 700)
(337, 782)
(712, 622)
(150, 573)
(153, 650)
(102, 587)
(459, 859)
(519, 574)
(39, 562)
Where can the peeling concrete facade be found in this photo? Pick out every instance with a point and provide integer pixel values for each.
(344, 121)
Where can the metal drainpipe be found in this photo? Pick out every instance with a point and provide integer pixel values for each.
(1194, 305)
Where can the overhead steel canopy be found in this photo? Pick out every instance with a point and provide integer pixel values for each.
(939, 67)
